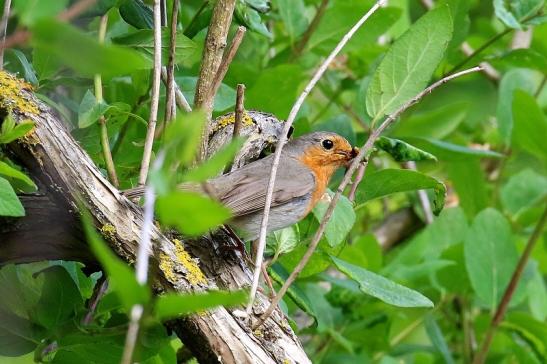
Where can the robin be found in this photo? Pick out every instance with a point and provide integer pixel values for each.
(305, 167)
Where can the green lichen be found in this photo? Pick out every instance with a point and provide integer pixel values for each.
(229, 119)
(12, 97)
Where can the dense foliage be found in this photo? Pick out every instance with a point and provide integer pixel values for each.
(423, 294)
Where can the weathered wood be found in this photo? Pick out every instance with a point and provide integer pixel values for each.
(68, 179)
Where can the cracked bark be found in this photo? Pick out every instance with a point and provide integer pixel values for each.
(67, 179)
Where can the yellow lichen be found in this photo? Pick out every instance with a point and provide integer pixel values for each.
(109, 232)
(11, 96)
(229, 119)
(258, 333)
(193, 273)
(167, 267)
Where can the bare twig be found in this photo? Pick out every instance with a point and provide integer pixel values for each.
(283, 138)
(4, 29)
(301, 45)
(170, 108)
(98, 292)
(422, 196)
(240, 109)
(105, 144)
(510, 290)
(182, 103)
(357, 180)
(364, 152)
(210, 62)
(228, 58)
(149, 140)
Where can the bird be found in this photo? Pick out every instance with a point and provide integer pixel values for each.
(306, 165)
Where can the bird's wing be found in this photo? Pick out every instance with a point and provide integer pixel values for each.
(244, 190)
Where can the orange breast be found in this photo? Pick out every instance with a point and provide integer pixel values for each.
(322, 171)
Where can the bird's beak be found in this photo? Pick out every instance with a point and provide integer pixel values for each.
(354, 152)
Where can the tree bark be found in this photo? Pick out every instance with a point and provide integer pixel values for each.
(68, 180)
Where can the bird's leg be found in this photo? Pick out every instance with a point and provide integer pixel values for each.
(240, 245)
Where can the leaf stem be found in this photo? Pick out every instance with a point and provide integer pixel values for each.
(170, 105)
(277, 155)
(4, 29)
(510, 290)
(363, 153)
(311, 29)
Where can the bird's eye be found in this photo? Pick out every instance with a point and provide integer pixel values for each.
(327, 144)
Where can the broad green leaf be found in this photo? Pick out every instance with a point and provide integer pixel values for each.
(388, 181)
(282, 241)
(523, 58)
(215, 164)
(513, 12)
(9, 202)
(401, 151)
(90, 110)
(120, 275)
(537, 294)
(182, 137)
(11, 131)
(381, 287)
(514, 79)
(409, 63)
(143, 40)
(172, 305)
(365, 252)
(18, 336)
(470, 184)
(437, 339)
(446, 151)
(533, 331)
(30, 11)
(60, 298)
(250, 18)
(530, 125)
(341, 221)
(224, 99)
(523, 190)
(85, 54)
(435, 124)
(191, 213)
(292, 13)
(8, 171)
(279, 274)
(490, 256)
(137, 14)
(26, 66)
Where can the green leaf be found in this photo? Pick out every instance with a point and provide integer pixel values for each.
(143, 40)
(341, 221)
(28, 70)
(191, 213)
(215, 164)
(279, 274)
(435, 124)
(90, 110)
(60, 298)
(172, 305)
(282, 241)
(11, 131)
(250, 18)
(120, 275)
(490, 256)
(437, 339)
(9, 202)
(9, 171)
(446, 151)
(401, 151)
(533, 331)
(365, 252)
(381, 287)
(224, 99)
(514, 79)
(530, 125)
(537, 294)
(524, 58)
(513, 12)
(409, 63)
(388, 181)
(292, 13)
(523, 190)
(182, 137)
(137, 14)
(85, 54)
(18, 336)
(470, 184)
(30, 11)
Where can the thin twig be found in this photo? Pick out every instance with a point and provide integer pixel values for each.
(228, 58)
(215, 42)
(105, 144)
(240, 109)
(358, 177)
(422, 196)
(100, 289)
(301, 45)
(170, 108)
(510, 290)
(182, 103)
(364, 152)
(4, 29)
(283, 138)
(149, 140)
